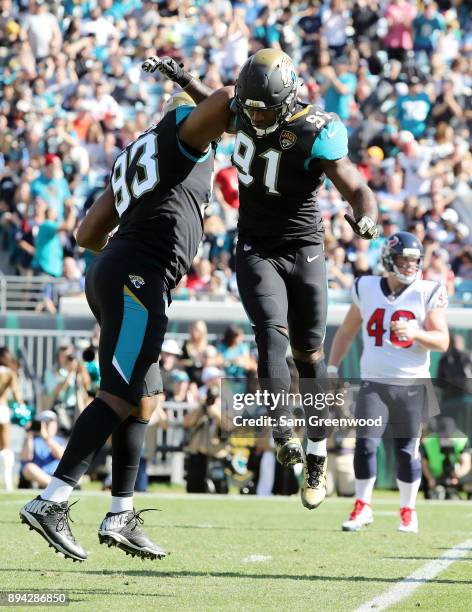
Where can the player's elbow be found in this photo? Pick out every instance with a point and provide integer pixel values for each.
(86, 239)
(443, 343)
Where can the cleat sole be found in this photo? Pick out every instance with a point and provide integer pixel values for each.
(35, 526)
(112, 540)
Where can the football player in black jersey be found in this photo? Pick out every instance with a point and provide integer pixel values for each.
(283, 151)
(158, 185)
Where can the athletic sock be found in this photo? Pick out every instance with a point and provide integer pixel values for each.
(91, 431)
(408, 493)
(127, 444)
(364, 488)
(312, 382)
(316, 447)
(121, 504)
(57, 491)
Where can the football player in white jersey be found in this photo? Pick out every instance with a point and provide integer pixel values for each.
(403, 319)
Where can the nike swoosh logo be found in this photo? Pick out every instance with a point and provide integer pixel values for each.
(247, 247)
(410, 393)
(310, 259)
(331, 134)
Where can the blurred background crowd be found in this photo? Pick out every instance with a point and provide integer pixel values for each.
(398, 72)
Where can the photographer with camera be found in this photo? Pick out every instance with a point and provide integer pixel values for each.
(64, 387)
(41, 450)
(206, 450)
(446, 461)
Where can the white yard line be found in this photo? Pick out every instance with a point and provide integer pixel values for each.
(407, 586)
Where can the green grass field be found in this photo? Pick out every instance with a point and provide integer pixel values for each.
(239, 553)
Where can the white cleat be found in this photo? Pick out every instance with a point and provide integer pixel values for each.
(361, 516)
(408, 521)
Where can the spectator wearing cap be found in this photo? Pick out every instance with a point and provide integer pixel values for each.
(339, 88)
(183, 390)
(170, 353)
(413, 109)
(42, 450)
(51, 185)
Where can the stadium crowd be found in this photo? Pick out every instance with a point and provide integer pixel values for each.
(398, 73)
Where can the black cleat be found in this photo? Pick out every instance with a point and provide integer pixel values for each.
(123, 530)
(51, 520)
(289, 452)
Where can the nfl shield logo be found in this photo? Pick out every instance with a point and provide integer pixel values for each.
(287, 139)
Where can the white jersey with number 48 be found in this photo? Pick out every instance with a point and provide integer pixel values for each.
(386, 355)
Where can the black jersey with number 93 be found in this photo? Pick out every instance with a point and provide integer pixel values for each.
(160, 187)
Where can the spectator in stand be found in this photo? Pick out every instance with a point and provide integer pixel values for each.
(400, 15)
(413, 109)
(170, 354)
(48, 248)
(339, 88)
(235, 353)
(42, 450)
(193, 350)
(426, 27)
(51, 185)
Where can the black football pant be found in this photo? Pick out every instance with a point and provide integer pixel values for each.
(283, 291)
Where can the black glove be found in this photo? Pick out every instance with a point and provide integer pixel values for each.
(365, 227)
(169, 68)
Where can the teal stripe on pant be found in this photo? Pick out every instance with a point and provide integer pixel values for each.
(130, 340)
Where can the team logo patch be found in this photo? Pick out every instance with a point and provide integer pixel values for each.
(287, 139)
(138, 281)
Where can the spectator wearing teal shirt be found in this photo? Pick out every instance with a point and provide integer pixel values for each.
(49, 253)
(51, 186)
(235, 352)
(427, 28)
(339, 88)
(414, 108)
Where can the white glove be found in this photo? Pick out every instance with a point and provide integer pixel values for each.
(151, 64)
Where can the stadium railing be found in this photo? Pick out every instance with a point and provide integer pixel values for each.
(23, 293)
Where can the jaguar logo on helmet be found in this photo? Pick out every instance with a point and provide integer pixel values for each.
(286, 72)
(287, 139)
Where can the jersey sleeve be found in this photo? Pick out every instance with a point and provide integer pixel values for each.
(438, 298)
(181, 113)
(331, 143)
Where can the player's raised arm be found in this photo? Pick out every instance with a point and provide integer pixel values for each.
(208, 120)
(353, 188)
(170, 69)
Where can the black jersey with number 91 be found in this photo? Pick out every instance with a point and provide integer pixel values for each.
(160, 187)
(280, 175)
